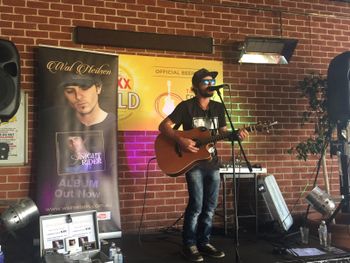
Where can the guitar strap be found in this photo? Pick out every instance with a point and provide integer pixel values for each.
(215, 130)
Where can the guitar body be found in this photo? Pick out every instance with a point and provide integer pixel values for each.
(174, 162)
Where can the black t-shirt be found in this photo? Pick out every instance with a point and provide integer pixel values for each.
(190, 115)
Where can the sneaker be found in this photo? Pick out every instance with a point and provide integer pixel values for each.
(211, 251)
(191, 253)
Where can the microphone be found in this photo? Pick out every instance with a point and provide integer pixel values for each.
(213, 88)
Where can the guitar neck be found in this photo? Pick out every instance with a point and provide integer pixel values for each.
(216, 138)
(226, 135)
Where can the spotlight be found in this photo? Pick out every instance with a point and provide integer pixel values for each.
(19, 215)
(321, 201)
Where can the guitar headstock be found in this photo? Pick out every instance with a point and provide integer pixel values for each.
(263, 126)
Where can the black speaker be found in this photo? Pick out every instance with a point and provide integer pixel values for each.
(338, 88)
(9, 80)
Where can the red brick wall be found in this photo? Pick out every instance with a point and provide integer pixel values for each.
(259, 92)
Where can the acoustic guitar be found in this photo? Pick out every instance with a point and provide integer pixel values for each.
(173, 161)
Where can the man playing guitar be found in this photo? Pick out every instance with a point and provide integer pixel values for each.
(203, 179)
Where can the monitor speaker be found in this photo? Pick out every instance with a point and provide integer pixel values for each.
(274, 201)
(338, 88)
(9, 80)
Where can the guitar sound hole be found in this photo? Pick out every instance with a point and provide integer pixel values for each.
(198, 143)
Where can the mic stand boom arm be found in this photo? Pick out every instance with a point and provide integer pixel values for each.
(234, 176)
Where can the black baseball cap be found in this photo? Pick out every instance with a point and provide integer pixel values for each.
(202, 73)
(82, 80)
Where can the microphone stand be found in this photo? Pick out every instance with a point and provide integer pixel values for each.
(236, 241)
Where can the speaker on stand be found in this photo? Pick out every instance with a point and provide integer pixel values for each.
(338, 88)
(338, 107)
(9, 80)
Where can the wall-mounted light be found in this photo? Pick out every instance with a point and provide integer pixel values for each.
(264, 50)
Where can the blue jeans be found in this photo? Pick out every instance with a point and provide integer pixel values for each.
(203, 189)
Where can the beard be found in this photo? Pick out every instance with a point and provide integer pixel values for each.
(205, 93)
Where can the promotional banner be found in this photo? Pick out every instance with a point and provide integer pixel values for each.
(149, 88)
(14, 136)
(76, 142)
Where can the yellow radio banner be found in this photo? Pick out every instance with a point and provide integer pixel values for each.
(149, 88)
